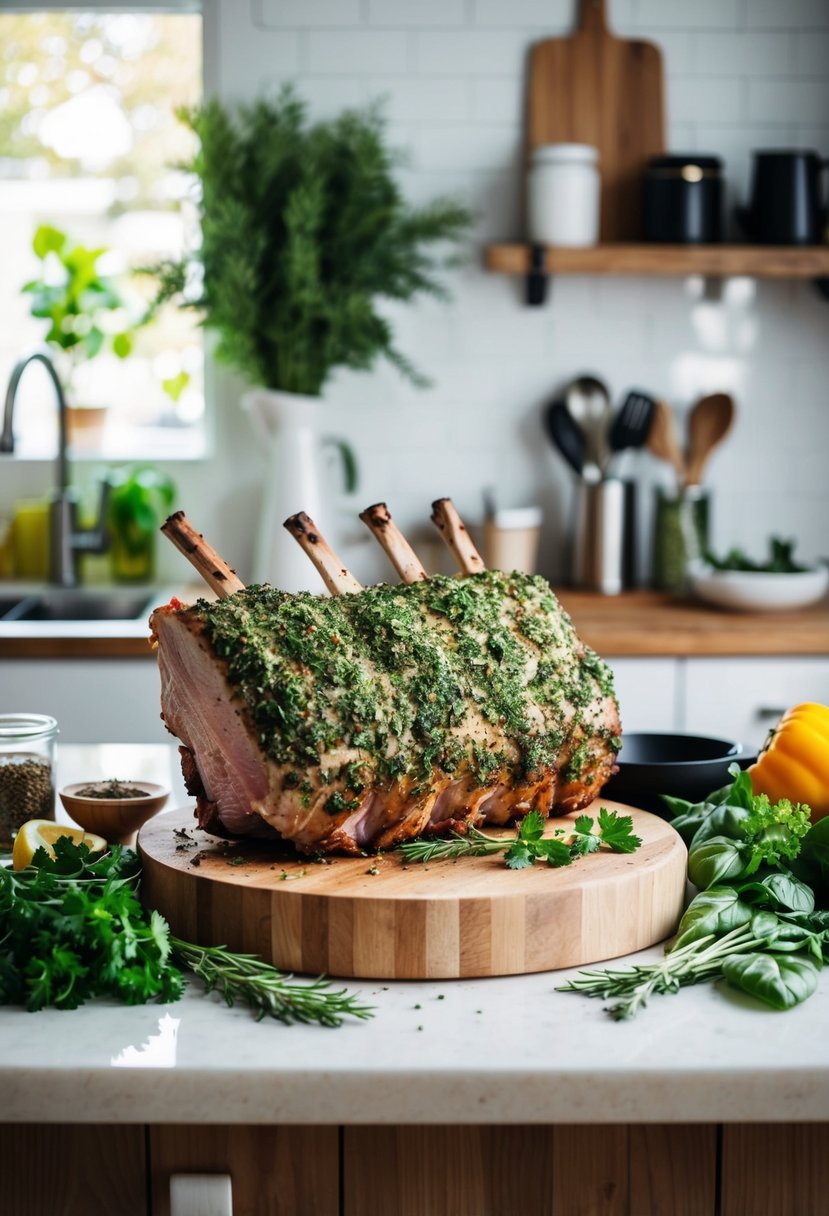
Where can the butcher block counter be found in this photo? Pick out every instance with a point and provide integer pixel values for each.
(647, 623)
(637, 623)
(465, 1098)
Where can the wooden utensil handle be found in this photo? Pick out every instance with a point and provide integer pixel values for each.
(593, 17)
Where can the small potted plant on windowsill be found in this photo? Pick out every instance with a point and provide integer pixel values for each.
(141, 497)
(303, 229)
(87, 317)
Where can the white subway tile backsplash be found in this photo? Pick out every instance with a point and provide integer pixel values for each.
(743, 53)
(495, 99)
(473, 52)
(558, 16)
(702, 15)
(327, 96)
(464, 147)
(416, 13)
(357, 52)
(787, 14)
(310, 14)
(413, 100)
(811, 54)
(278, 55)
(705, 99)
(677, 47)
(792, 101)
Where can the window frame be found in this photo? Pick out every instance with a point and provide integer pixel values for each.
(208, 9)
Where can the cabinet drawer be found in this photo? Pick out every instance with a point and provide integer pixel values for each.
(647, 692)
(94, 700)
(742, 698)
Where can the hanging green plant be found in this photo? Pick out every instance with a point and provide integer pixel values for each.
(303, 229)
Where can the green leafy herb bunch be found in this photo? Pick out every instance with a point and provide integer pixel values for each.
(72, 927)
(303, 229)
(760, 920)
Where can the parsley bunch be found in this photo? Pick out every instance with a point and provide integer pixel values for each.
(72, 929)
(531, 845)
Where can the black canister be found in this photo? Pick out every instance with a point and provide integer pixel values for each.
(683, 199)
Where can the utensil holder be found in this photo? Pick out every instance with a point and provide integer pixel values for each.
(511, 539)
(680, 535)
(604, 527)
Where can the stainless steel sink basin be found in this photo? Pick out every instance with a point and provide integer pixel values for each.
(7, 603)
(102, 604)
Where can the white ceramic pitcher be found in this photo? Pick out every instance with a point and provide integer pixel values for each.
(288, 424)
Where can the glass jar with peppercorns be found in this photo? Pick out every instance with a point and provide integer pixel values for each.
(27, 771)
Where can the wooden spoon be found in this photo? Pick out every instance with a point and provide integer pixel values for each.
(662, 441)
(711, 419)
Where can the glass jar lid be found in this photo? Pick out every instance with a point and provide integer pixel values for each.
(26, 726)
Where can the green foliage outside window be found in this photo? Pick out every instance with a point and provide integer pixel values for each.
(85, 311)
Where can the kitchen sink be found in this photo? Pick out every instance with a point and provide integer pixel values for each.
(69, 605)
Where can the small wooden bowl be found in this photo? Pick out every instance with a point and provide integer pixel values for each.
(116, 819)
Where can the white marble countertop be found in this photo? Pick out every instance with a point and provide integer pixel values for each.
(509, 1050)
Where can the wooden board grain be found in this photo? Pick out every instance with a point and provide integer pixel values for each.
(373, 918)
(593, 88)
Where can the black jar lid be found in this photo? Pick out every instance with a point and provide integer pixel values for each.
(678, 161)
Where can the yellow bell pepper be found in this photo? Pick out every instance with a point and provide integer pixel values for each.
(794, 762)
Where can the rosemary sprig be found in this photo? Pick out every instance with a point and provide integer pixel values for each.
(448, 848)
(530, 844)
(265, 989)
(700, 960)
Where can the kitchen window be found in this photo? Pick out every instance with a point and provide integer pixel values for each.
(89, 144)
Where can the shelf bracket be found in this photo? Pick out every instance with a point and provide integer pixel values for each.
(537, 276)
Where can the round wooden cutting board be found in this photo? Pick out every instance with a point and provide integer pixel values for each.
(373, 918)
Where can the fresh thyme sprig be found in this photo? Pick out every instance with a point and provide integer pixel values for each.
(265, 989)
(531, 845)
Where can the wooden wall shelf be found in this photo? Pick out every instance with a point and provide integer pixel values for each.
(713, 261)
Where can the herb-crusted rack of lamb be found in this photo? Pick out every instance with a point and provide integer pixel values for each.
(352, 722)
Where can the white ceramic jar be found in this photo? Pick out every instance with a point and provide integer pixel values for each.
(563, 195)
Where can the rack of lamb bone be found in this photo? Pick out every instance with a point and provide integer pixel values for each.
(353, 721)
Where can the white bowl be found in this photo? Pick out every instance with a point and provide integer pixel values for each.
(757, 590)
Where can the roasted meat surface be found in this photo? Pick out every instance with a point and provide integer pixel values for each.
(350, 723)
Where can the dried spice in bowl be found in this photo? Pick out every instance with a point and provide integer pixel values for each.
(111, 788)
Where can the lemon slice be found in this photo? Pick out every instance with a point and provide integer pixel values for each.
(35, 834)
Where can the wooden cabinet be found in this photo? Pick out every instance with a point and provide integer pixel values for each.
(108, 700)
(648, 692)
(733, 698)
(741, 698)
(493, 1170)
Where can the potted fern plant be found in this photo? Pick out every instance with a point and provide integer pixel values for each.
(303, 230)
